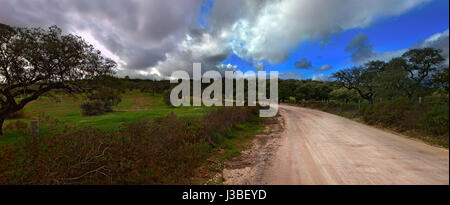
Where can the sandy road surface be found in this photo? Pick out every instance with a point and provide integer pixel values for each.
(321, 148)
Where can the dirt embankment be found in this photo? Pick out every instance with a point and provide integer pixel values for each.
(249, 167)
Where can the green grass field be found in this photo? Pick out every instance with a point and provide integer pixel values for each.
(65, 108)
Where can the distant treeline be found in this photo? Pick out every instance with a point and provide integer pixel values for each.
(418, 73)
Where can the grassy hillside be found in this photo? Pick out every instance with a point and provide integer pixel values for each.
(66, 109)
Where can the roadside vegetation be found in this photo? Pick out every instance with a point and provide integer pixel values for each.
(409, 94)
(164, 150)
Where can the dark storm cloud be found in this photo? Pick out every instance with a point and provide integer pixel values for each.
(225, 13)
(303, 64)
(361, 48)
(363, 52)
(217, 57)
(139, 32)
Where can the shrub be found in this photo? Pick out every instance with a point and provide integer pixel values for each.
(367, 113)
(109, 96)
(391, 113)
(436, 121)
(344, 95)
(426, 118)
(394, 112)
(101, 100)
(93, 107)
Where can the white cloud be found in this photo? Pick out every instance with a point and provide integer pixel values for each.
(203, 48)
(324, 68)
(279, 26)
(227, 67)
(291, 75)
(320, 77)
(259, 66)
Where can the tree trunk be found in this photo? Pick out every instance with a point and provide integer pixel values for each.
(1, 126)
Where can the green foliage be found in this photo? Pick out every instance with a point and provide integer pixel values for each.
(391, 113)
(441, 79)
(304, 90)
(344, 95)
(436, 121)
(427, 118)
(394, 80)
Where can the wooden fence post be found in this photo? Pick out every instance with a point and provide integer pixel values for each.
(35, 130)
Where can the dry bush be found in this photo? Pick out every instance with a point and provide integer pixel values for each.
(17, 126)
(163, 151)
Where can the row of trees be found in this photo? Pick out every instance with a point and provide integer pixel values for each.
(417, 73)
(304, 90)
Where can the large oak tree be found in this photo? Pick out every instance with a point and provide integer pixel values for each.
(361, 79)
(34, 61)
(420, 64)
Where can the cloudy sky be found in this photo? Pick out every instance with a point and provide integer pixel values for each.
(299, 38)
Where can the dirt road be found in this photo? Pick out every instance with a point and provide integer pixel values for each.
(320, 148)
